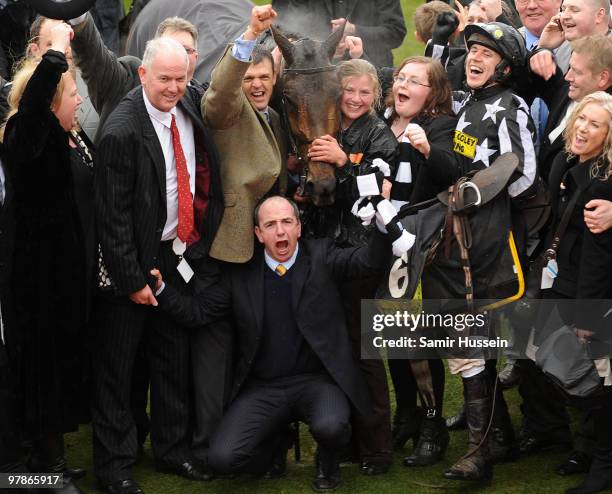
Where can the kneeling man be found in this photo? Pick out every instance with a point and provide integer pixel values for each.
(294, 356)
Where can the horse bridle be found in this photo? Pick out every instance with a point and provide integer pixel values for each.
(292, 143)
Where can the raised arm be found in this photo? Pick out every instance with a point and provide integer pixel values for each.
(108, 78)
(27, 131)
(225, 101)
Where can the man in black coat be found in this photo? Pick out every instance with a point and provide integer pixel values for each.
(294, 356)
(158, 204)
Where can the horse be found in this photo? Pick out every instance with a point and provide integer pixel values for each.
(311, 95)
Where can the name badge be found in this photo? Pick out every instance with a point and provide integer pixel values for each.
(464, 144)
(185, 270)
(549, 273)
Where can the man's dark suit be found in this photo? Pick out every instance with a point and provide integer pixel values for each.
(319, 269)
(130, 190)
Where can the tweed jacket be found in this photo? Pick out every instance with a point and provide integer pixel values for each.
(252, 156)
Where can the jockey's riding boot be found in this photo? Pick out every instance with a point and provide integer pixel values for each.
(503, 446)
(433, 440)
(406, 426)
(457, 422)
(475, 464)
(327, 476)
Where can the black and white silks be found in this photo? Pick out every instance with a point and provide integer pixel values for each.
(372, 205)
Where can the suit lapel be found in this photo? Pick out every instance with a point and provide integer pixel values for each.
(301, 270)
(255, 287)
(186, 103)
(152, 145)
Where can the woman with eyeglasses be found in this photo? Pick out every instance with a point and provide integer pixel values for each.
(419, 113)
(363, 138)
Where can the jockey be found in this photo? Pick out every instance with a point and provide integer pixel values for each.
(492, 120)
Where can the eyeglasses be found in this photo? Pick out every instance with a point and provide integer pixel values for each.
(401, 80)
(527, 2)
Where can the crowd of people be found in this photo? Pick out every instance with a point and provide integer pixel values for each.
(169, 253)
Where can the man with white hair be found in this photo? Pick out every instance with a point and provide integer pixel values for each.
(154, 184)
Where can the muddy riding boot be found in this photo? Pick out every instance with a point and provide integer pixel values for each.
(457, 422)
(475, 465)
(406, 426)
(432, 443)
(503, 446)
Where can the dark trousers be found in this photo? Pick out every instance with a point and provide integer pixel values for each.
(212, 358)
(544, 406)
(372, 434)
(121, 325)
(249, 432)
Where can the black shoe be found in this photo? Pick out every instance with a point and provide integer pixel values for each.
(68, 488)
(509, 376)
(593, 483)
(578, 462)
(406, 426)
(375, 467)
(432, 443)
(191, 470)
(457, 422)
(503, 446)
(327, 477)
(75, 473)
(126, 486)
(278, 468)
(530, 445)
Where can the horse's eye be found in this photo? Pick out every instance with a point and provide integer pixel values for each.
(289, 100)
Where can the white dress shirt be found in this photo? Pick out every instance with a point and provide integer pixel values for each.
(161, 123)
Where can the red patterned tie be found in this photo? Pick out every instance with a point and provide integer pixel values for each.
(185, 199)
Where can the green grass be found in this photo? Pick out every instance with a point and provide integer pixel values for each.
(533, 475)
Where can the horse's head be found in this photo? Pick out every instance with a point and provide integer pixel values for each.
(311, 93)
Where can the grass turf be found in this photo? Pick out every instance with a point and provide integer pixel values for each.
(534, 474)
(530, 475)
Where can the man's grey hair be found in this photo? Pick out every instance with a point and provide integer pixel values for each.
(166, 46)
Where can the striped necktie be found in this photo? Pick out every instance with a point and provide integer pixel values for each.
(280, 270)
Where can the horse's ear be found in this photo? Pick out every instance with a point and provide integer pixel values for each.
(330, 44)
(285, 46)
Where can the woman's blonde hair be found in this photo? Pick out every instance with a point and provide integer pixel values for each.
(357, 68)
(19, 83)
(602, 166)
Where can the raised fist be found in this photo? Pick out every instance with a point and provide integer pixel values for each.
(446, 24)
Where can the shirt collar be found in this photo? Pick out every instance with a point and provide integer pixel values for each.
(530, 39)
(266, 113)
(272, 263)
(164, 118)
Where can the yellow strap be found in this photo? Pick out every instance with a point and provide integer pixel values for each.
(519, 275)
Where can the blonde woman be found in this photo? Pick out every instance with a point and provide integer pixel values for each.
(584, 259)
(50, 282)
(363, 137)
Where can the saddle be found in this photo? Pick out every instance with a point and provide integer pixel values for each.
(469, 193)
(478, 187)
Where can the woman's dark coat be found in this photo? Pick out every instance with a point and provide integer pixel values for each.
(49, 264)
